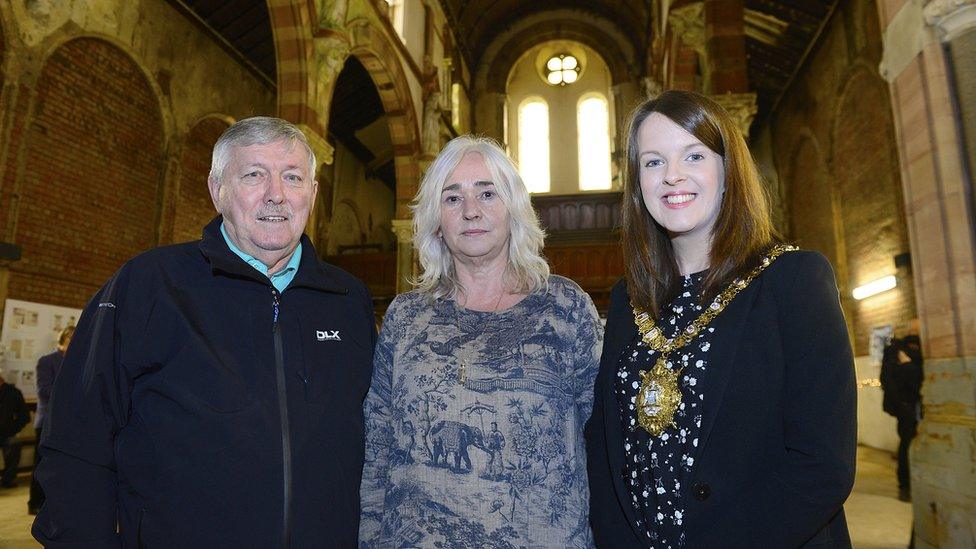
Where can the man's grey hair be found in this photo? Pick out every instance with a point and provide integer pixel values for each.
(257, 130)
(528, 268)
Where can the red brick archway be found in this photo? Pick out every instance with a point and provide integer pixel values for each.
(292, 22)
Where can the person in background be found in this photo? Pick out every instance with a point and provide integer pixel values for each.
(14, 415)
(48, 367)
(901, 380)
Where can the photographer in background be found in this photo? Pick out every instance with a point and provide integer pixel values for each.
(901, 381)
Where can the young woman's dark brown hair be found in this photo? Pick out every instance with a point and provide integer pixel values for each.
(743, 230)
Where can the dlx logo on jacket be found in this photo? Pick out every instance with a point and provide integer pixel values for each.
(327, 335)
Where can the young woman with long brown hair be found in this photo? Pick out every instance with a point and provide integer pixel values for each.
(724, 411)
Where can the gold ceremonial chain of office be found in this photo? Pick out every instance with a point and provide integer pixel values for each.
(659, 396)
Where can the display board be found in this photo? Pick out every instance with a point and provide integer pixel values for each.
(30, 331)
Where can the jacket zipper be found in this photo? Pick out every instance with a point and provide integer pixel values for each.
(285, 431)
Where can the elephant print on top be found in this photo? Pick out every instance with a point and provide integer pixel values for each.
(491, 454)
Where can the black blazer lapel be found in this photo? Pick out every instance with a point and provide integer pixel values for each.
(728, 329)
(612, 427)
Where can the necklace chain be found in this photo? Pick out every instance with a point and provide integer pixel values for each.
(462, 362)
(659, 395)
(654, 336)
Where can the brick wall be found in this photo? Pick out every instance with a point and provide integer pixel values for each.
(833, 133)
(194, 208)
(89, 176)
(871, 205)
(812, 220)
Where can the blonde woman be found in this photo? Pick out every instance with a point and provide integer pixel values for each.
(482, 377)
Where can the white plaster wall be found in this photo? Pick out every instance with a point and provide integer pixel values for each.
(875, 428)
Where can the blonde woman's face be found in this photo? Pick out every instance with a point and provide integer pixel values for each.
(474, 220)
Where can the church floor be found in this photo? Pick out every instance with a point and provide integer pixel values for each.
(877, 519)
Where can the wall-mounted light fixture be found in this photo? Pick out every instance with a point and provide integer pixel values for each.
(874, 287)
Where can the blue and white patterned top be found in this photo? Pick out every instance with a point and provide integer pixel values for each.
(496, 459)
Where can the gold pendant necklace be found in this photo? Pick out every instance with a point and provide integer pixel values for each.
(659, 396)
(465, 358)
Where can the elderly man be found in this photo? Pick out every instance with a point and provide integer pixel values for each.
(212, 394)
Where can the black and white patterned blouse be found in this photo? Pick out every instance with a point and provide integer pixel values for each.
(657, 469)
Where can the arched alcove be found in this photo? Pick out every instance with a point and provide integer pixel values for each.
(92, 166)
(194, 207)
(866, 173)
(361, 182)
(810, 201)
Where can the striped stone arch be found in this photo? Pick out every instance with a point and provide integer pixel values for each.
(373, 49)
(292, 24)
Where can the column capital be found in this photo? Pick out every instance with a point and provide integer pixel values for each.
(403, 229)
(322, 149)
(951, 17)
(332, 13)
(742, 107)
(688, 24)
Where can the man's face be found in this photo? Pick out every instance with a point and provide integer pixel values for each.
(265, 195)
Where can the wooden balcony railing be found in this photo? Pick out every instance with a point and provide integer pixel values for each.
(582, 244)
(591, 217)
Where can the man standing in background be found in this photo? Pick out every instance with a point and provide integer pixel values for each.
(48, 367)
(901, 381)
(14, 415)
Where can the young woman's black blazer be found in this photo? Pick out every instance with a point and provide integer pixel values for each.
(776, 452)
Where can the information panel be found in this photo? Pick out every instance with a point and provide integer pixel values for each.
(30, 331)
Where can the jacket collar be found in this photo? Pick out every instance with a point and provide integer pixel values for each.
(311, 273)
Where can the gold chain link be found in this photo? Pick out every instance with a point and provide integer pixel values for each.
(654, 336)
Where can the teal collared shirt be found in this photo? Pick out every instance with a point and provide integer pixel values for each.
(281, 279)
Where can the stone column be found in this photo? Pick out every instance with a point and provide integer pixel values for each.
(939, 213)
(725, 46)
(688, 29)
(742, 107)
(956, 21)
(323, 155)
(403, 229)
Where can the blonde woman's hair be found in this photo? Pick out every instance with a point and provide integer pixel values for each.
(527, 269)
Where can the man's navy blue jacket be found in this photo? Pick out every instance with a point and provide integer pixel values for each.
(197, 407)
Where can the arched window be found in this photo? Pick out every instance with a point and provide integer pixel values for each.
(533, 144)
(593, 138)
(396, 15)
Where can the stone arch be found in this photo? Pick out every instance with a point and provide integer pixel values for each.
(90, 174)
(810, 200)
(379, 57)
(505, 53)
(291, 25)
(193, 206)
(864, 165)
